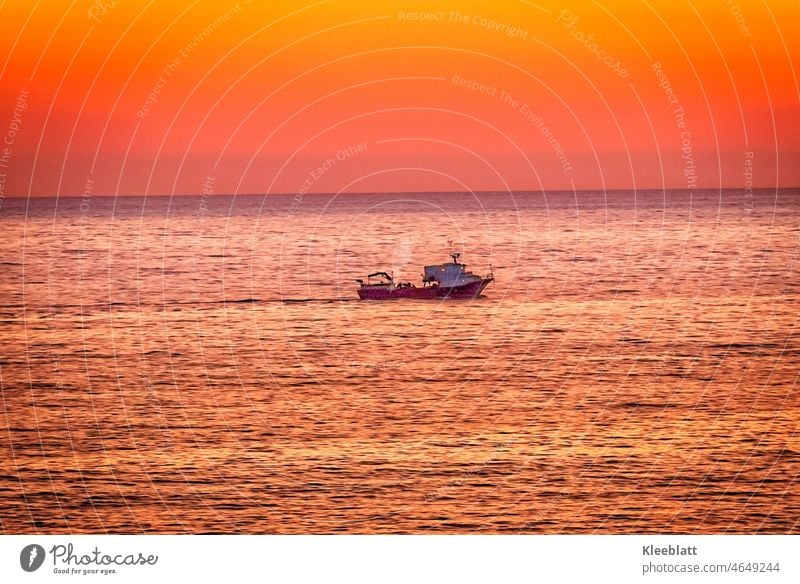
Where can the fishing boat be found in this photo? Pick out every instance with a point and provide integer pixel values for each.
(448, 280)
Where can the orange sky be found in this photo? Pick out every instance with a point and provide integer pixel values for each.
(290, 97)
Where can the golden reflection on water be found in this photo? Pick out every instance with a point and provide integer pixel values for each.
(635, 374)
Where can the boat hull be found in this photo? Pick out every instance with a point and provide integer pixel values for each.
(470, 290)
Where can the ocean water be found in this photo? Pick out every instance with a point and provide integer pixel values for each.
(203, 365)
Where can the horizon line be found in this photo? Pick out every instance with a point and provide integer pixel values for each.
(302, 195)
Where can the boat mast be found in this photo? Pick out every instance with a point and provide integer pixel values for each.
(454, 255)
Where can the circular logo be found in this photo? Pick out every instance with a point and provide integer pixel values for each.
(31, 557)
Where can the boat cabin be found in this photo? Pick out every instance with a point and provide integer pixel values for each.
(450, 274)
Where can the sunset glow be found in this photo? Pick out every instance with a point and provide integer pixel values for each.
(119, 97)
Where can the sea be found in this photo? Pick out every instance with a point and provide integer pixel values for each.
(202, 364)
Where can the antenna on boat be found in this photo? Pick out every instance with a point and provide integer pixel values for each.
(453, 254)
